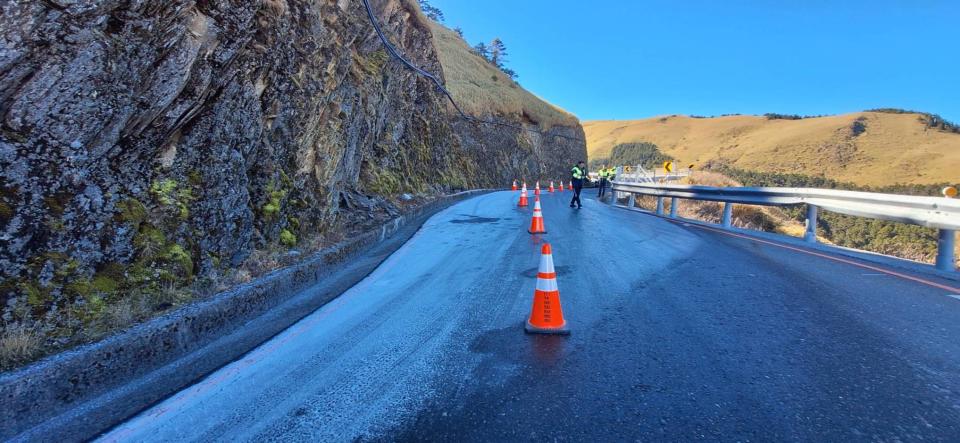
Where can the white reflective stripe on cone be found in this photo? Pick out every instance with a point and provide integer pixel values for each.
(547, 284)
(546, 264)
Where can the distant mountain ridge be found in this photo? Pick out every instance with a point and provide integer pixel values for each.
(880, 147)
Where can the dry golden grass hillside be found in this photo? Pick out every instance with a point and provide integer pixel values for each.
(482, 90)
(892, 148)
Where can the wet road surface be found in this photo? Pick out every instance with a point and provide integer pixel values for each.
(678, 333)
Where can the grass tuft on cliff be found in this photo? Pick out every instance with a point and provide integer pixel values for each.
(483, 90)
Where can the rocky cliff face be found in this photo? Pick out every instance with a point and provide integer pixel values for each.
(147, 143)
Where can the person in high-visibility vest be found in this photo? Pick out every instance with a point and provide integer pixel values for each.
(603, 172)
(611, 174)
(577, 175)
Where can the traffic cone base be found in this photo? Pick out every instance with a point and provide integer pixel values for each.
(562, 330)
(546, 315)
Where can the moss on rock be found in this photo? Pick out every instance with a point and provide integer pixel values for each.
(383, 182)
(287, 238)
(37, 296)
(163, 191)
(6, 213)
(168, 193)
(177, 255)
(132, 211)
(57, 203)
(195, 177)
(103, 284)
(276, 193)
(149, 241)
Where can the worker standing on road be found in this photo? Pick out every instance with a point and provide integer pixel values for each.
(577, 175)
(602, 173)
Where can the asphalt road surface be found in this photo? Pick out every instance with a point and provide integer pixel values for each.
(678, 333)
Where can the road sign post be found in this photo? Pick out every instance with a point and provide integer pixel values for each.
(727, 214)
(946, 241)
(810, 234)
(946, 244)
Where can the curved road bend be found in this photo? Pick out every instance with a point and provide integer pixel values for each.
(694, 335)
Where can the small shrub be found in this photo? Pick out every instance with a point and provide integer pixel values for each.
(858, 127)
(933, 121)
(773, 116)
(643, 153)
(131, 211)
(176, 254)
(168, 193)
(287, 238)
(18, 346)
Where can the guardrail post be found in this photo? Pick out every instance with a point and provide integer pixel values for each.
(810, 234)
(631, 200)
(727, 215)
(659, 205)
(945, 247)
(673, 207)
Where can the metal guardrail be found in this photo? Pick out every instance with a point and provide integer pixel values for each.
(638, 174)
(933, 212)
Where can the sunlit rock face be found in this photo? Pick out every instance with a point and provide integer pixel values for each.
(145, 144)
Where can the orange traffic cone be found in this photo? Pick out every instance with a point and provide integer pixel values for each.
(551, 187)
(514, 186)
(571, 185)
(536, 190)
(536, 223)
(561, 186)
(546, 317)
(523, 197)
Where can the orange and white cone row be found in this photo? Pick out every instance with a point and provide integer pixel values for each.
(546, 316)
(536, 223)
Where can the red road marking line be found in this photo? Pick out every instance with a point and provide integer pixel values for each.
(830, 257)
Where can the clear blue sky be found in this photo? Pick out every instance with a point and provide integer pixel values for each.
(621, 59)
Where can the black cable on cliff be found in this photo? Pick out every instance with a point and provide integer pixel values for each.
(396, 54)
